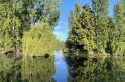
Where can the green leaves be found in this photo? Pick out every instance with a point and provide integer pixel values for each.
(95, 31)
(46, 11)
(82, 28)
(39, 41)
(17, 16)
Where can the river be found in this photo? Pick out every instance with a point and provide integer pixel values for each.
(56, 69)
(61, 68)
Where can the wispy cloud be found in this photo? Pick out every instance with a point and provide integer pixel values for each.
(61, 31)
(61, 35)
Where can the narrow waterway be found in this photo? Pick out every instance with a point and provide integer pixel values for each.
(61, 68)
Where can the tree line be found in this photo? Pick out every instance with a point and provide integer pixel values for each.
(19, 16)
(94, 31)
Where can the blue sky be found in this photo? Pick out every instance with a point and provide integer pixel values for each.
(61, 30)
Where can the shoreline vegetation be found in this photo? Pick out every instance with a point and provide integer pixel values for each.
(28, 30)
(93, 32)
(94, 49)
(26, 27)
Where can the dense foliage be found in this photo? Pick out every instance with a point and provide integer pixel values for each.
(17, 16)
(94, 31)
(39, 41)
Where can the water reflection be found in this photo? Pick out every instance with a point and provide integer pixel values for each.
(97, 70)
(9, 69)
(27, 69)
(38, 69)
(61, 72)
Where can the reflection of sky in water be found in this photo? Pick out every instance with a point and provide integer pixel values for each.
(61, 68)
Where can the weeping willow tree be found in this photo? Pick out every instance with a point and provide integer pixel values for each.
(39, 40)
(37, 69)
(17, 16)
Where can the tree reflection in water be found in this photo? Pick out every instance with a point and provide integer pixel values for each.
(10, 69)
(26, 69)
(97, 70)
(37, 69)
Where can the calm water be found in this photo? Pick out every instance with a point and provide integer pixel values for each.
(56, 69)
(61, 68)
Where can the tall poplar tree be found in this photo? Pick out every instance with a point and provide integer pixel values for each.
(100, 8)
(73, 23)
(82, 30)
(95, 31)
(120, 24)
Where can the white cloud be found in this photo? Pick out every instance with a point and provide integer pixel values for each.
(61, 31)
(61, 35)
